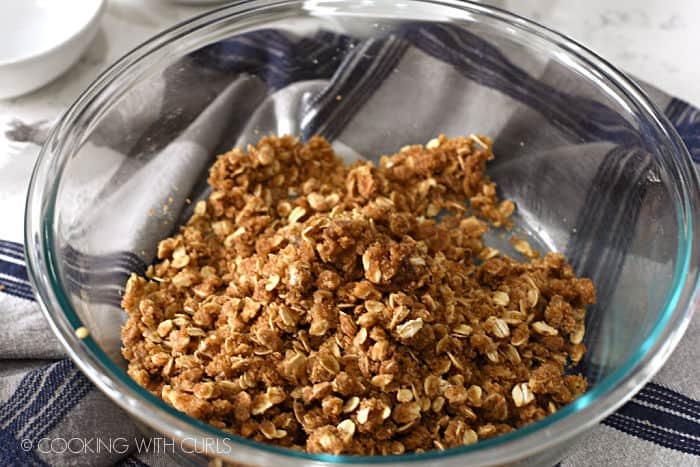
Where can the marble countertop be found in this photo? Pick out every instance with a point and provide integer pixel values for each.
(654, 40)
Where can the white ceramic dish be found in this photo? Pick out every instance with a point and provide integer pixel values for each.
(40, 40)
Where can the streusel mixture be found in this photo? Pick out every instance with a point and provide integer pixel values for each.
(354, 309)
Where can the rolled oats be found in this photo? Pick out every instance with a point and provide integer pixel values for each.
(355, 309)
(522, 395)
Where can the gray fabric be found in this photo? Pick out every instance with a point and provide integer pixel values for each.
(29, 336)
(608, 447)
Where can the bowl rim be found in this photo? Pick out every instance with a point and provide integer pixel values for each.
(532, 439)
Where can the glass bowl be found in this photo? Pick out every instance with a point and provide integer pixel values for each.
(595, 170)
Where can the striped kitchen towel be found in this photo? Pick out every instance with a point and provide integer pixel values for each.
(340, 87)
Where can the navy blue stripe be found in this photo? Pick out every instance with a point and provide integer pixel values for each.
(651, 433)
(20, 292)
(353, 85)
(340, 71)
(275, 58)
(607, 220)
(360, 93)
(13, 280)
(15, 285)
(18, 271)
(350, 71)
(51, 413)
(11, 253)
(622, 187)
(686, 119)
(57, 373)
(13, 246)
(96, 294)
(659, 395)
(660, 418)
(18, 398)
(72, 393)
(675, 108)
(85, 282)
(92, 277)
(481, 62)
(272, 56)
(122, 259)
(85, 274)
(12, 453)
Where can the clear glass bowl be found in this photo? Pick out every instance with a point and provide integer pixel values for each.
(595, 170)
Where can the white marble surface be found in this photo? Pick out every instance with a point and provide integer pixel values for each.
(655, 40)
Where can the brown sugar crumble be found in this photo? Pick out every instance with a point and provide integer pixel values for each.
(355, 309)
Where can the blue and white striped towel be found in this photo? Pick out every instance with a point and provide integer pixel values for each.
(290, 85)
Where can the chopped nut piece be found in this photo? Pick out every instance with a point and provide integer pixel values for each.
(272, 282)
(180, 261)
(433, 144)
(347, 427)
(522, 246)
(200, 209)
(351, 404)
(363, 415)
(386, 413)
